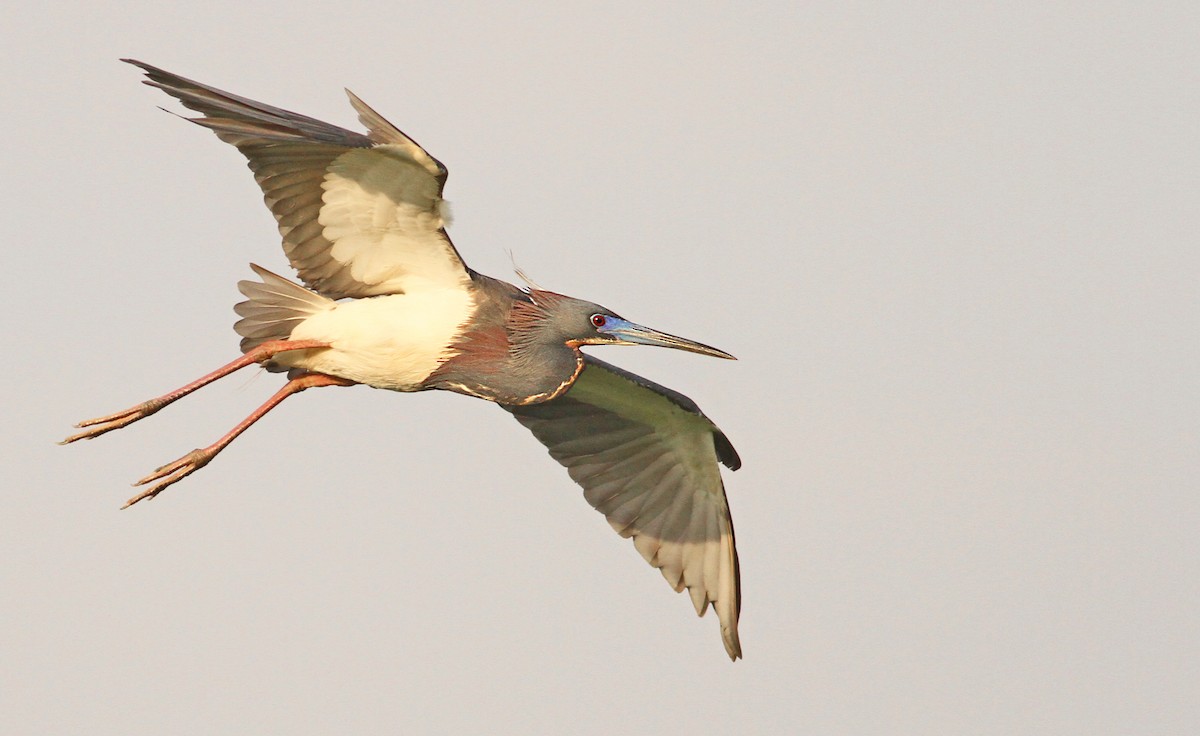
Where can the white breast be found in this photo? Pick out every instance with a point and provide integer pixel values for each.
(393, 341)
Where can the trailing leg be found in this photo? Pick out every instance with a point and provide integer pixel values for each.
(176, 471)
(258, 354)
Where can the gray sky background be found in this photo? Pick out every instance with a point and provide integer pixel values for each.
(954, 248)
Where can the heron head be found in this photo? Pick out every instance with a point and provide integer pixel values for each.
(577, 322)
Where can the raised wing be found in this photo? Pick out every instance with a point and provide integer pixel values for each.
(360, 215)
(647, 459)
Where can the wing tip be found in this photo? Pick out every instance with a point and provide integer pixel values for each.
(733, 647)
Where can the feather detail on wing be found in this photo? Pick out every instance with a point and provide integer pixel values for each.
(360, 215)
(647, 459)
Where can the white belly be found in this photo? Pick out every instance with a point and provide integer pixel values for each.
(392, 341)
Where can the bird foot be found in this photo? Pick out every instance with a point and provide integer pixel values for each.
(172, 473)
(103, 425)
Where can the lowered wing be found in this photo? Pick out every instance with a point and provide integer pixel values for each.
(647, 459)
(360, 215)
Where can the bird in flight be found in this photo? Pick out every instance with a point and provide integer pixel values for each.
(388, 302)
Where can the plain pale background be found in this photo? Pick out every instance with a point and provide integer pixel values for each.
(954, 248)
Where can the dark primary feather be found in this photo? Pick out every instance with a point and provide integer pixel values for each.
(266, 119)
(724, 448)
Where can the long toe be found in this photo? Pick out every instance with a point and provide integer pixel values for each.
(171, 473)
(102, 425)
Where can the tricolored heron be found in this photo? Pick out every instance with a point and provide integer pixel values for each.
(390, 304)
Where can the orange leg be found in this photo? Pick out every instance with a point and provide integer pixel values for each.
(174, 472)
(265, 351)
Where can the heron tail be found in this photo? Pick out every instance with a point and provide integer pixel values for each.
(274, 307)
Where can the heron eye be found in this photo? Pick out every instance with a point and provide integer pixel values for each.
(599, 320)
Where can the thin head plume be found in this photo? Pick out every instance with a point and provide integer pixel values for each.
(521, 273)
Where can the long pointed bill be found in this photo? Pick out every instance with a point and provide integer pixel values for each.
(629, 333)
